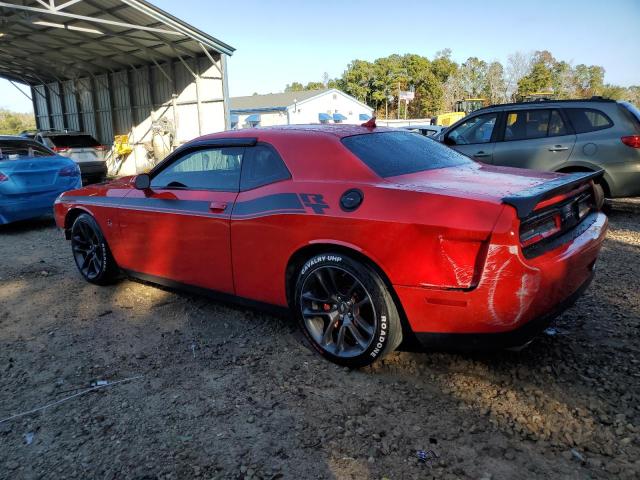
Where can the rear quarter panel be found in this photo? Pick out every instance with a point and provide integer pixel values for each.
(403, 232)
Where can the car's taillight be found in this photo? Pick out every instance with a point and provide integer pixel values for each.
(3, 177)
(536, 229)
(61, 149)
(631, 141)
(102, 148)
(70, 171)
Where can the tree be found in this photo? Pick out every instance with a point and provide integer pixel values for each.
(518, 66)
(14, 122)
(589, 80)
(494, 84)
(540, 78)
(473, 74)
(314, 86)
(439, 83)
(562, 80)
(294, 87)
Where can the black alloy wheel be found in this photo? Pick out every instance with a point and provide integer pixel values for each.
(91, 252)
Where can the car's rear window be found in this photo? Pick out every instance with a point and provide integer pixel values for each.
(588, 119)
(632, 109)
(74, 141)
(390, 154)
(18, 149)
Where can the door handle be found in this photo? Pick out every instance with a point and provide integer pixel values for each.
(218, 207)
(480, 154)
(558, 148)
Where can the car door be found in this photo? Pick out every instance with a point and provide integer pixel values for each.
(474, 137)
(261, 223)
(178, 229)
(534, 138)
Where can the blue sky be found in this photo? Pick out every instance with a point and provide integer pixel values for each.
(278, 42)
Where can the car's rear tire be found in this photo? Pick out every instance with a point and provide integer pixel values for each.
(91, 251)
(345, 310)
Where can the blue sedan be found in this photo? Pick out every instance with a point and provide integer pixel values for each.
(31, 178)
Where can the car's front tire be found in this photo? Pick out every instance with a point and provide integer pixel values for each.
(91, 251)
(345, 310)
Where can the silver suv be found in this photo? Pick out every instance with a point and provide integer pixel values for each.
(559, 136)
(80, 147)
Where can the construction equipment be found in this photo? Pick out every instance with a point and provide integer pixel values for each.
(462, 108)
(470, 105)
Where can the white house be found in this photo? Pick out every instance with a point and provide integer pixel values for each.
(311, 106)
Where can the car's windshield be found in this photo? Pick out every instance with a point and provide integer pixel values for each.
(390, 154)
(74, 141)
(475, 130)
(19, 149)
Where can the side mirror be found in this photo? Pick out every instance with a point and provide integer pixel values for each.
(143, 181)
(449, 141)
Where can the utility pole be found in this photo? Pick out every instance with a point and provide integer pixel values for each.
(399, 101)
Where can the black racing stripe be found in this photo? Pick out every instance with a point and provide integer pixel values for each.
(269, 204)
(279, 202)
(195, 206)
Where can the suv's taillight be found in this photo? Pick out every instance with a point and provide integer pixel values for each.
(3, 177)
(61, 149)
(631, 141)
(102, 148)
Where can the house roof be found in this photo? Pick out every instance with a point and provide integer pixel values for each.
(272, 101)
(59, 40)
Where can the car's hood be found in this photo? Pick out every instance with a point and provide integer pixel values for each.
(476, 181)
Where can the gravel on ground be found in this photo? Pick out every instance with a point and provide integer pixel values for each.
(220, 391)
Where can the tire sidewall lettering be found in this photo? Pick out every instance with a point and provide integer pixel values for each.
(379, 344)
(319, 259)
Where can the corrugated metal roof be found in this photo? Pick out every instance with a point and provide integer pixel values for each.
(272, 100)
(65, 39)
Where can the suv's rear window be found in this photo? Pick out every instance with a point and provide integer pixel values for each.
(588, 119)
(18, 149)
(390, 154)
(73, 141)
(632, 108)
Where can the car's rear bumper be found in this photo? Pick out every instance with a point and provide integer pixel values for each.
(93, 172)
(624, 178)
(512, 338)
(514, 298)
(32, 206)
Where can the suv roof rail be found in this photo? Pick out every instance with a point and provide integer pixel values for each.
(546, 100)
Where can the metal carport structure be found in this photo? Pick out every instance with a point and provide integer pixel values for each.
(114, 67)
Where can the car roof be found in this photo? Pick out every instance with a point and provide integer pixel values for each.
(16, 137)
(57, 133)
(426, 126)
(331, 130)
(546, 103)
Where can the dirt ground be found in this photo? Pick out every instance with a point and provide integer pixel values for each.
(222, 392)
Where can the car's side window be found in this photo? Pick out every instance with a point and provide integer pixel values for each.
(205, 169)
(477, 129)
(526, 124)
(530, 124)
(557, 126)
(587, 119)
(261, 166)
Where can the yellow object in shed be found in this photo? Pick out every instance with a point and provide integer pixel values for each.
(121, 145)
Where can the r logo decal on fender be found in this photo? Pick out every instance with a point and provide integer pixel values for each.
(315, 202)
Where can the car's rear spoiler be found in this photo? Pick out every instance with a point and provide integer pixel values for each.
(526, 200)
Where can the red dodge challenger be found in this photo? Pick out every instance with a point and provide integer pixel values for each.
(369, 235)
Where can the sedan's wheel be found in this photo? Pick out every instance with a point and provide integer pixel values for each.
(91, 252)
(345, 310)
